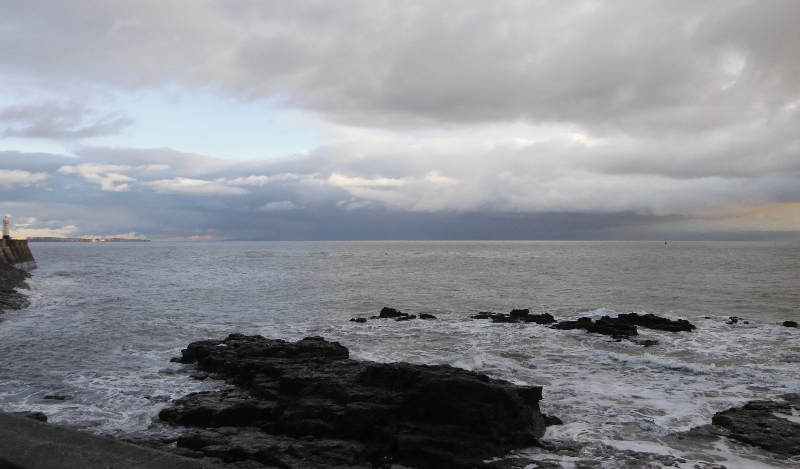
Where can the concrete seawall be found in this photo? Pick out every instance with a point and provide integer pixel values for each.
(28, 444)
(16, 252)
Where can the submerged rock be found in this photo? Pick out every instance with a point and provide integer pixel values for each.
(759, 423)
(305, 404)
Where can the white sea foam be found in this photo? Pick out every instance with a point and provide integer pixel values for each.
(472, 359)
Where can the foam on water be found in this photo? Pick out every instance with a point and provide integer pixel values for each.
(616, 394)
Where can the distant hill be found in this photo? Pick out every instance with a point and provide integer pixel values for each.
(35, 239)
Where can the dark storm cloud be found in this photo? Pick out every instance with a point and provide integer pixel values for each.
(332, 195)
(275, 205)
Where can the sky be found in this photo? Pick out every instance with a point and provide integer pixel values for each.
(262, 120)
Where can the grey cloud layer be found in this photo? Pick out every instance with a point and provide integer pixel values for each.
(167, 194)
(637, 67)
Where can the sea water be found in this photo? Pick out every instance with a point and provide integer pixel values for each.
(93, 349)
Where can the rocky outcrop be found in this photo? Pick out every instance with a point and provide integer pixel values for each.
(517, 315)
(306, 404)
(16, 253)
(624, 326)
(391, 313)
(12, 279)
(759, 423)
(605, 325)
(651, 321)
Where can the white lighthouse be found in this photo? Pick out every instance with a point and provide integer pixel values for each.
(6, 230)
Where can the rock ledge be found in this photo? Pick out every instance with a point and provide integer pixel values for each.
(306, 404)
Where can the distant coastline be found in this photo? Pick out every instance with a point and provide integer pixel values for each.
(39, 239)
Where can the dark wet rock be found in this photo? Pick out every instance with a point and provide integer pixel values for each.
(238, 445)
(505, 318)
(551, 420)
(605, 325)
(358, 320)
(390, 313)
(645, 342)
(517, 315)
(651, 321)
(545, 318)
(305, 404)
(484, 315)
(756, 423)
(789, 324)
(426, 316)
(624, 326)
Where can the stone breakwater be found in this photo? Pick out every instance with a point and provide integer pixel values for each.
(12, 279)
(307, 404)
(16, 253)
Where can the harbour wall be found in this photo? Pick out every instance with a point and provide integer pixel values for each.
(16, 252)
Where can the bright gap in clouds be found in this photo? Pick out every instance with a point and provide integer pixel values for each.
(194, 122)
(211, 125)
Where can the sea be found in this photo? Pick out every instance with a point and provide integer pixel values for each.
(93, 349)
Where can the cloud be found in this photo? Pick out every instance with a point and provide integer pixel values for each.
(277, 206)
(16, 177)
(340, 180)
(652, 66)
(187, 186)
(109, 177)
(760, 217)
(57, 121)
(261, 180)
(62, 232)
